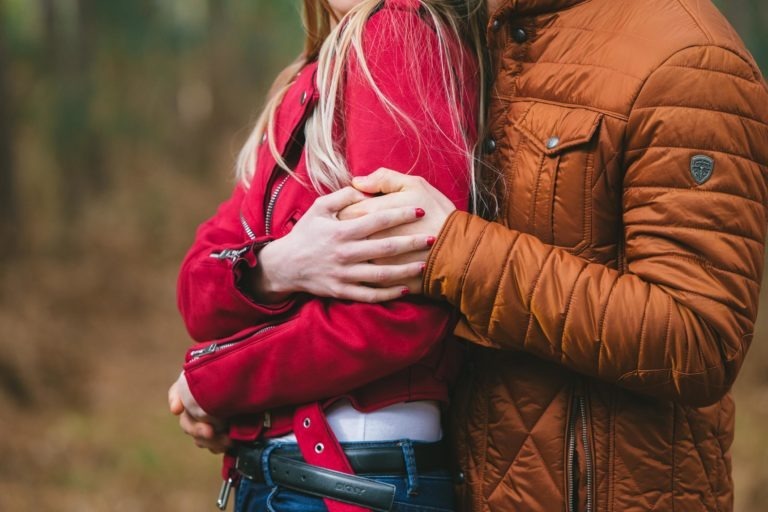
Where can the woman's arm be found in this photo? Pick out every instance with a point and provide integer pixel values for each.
(332, 346)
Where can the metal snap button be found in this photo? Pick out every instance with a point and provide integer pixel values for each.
(307, 422)
(319, 448)
(489, 146)
(460, 477)
(553, 142)
(519, 35)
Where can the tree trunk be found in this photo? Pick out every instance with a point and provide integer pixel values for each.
(9, 205)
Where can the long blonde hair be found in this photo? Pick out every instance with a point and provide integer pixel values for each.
(332, 42)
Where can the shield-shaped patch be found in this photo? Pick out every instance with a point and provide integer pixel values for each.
(701, 168)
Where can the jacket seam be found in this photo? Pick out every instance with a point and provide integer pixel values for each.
(524, 99)
(698, 191)
(705, 263)
(705, 109)
(704, 32)
(504, 272)
(470, 258)
(736, 155)
(603, 315)
(427, 285)
(643, 331)
(679, 51)
(532, 293)
(750, 80)
(705, 229)
(568, 308)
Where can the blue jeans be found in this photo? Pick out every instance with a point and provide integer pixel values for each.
(429, 492)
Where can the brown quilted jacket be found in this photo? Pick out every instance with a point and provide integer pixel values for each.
(611, 304)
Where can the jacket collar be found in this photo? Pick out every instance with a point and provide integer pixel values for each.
(530, 7)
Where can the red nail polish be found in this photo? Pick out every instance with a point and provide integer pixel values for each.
(420, 213)
(431, 241)
(423, 267)
(405, 291)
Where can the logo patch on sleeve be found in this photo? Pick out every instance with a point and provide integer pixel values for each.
(701, 168)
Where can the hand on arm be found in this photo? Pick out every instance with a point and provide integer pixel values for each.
(328, 257)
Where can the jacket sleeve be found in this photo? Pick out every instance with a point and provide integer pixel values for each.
(677, 320)
(209, 298)
(330, 347)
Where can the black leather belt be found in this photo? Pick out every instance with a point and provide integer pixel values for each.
(288, 469)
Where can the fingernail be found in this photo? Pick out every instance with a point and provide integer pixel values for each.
(431, 241)
(423, 267)
(420, 213)
(405, 291)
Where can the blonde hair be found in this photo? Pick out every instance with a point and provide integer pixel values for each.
(333, 43)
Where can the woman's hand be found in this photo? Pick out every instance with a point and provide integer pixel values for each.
(207, 431)
(393, 189)
(329, 257)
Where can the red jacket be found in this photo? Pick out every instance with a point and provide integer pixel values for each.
(311, 348)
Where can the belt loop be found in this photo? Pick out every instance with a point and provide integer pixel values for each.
(265, 455)
(410, 467)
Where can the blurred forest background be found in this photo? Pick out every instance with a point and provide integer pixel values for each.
(119, 124)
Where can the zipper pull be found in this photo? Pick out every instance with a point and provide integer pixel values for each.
(196, 354)
(226, 489)
(267, 419)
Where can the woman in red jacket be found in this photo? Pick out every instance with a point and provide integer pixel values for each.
(335, 404)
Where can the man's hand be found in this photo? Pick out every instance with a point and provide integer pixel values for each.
(329, 257)
(207, 431)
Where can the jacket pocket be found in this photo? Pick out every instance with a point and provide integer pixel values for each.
(550, 194)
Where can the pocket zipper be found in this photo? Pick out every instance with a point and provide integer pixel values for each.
(216, 347)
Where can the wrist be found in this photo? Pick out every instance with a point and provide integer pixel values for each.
(266, 279)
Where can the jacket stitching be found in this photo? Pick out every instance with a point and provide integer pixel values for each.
(700, 261)
(697, 449)
(706, 33)
(694, 46)
(699, 191)
(435, 252)
(713, 150)
(504, 272)
(749, 80)
(585, 65)
(741, 116)
(533, 292)
(603, 314)
(468, 263)
(673, 474)
(525, 99)
(568, 308)
(705, 229)
(534, 198)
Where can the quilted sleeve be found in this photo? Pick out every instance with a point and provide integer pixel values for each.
(677, 321)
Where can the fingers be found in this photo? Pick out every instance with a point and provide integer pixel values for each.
(386, 276)
(175, 404)
(336, 201)
(367, 294)
(204, 434)
(376, 204)
(384, 181)
(363, 227)
(366, 250)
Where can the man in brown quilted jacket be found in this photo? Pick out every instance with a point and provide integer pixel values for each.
(610, 304)
(611, 301)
